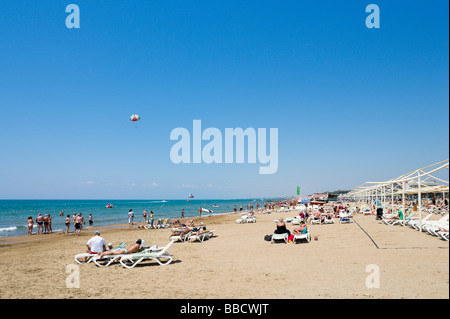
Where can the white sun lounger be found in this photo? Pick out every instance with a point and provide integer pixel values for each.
(415, 223)
(107, 260)
(201, 237)
(279, 237)
(344, 218)
(296, 220)
(435, 224)
(246, 219)
(434, 230)
(182, 237)
(162, 257)
(306, 236)
(87, 257)
(443, 235)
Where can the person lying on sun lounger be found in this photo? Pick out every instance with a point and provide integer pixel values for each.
(398, 216)
(134, 248)
(180, 232)
(315, 216)
(302, 229)
(200, 231)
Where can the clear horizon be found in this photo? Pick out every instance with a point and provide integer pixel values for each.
(351, 104)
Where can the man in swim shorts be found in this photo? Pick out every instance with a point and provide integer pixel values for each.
(40, 222)
(78, 221)
(134, 248)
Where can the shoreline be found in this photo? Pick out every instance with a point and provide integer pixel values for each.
(18, 238)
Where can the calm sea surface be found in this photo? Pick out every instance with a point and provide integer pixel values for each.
(14, 213)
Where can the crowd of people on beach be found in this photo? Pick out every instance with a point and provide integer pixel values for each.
(44, 223)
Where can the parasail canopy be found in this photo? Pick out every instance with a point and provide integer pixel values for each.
(135, 118)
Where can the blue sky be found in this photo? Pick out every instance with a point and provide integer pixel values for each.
(351, 104)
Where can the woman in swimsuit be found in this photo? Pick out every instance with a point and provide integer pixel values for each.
(67, 223)
(50, 224)
(45, 224)
(281, 228)
(30, 225)
(302, 229)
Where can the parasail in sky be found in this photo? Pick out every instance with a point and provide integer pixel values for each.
(135, 118)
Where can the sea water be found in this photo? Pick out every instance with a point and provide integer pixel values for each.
(14, 213)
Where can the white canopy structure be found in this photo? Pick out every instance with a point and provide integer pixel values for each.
(418, 182)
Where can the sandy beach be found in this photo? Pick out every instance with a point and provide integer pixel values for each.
(237, 263)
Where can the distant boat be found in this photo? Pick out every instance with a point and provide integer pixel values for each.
(164, 201)
(109, 206)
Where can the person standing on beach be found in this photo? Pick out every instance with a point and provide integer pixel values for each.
(50, 230)
(67, 223)
(182, 213)
(90, 220)
(151, 219)
(144, 214)
(200, 211)
(40, 221)
(78, 221)
(45, 224)
(130, 217)
(74, 218)
(235, 210)
(30, 225)
(82, 220)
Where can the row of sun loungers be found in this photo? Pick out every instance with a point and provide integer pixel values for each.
(246, 219)
(432, 227)
(158, 254)
(284, 237)
(158, 224)
(192, 236)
